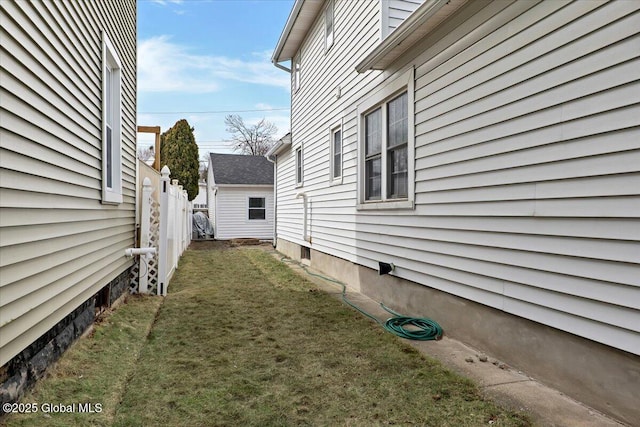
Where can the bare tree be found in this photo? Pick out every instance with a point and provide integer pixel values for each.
(254, 140)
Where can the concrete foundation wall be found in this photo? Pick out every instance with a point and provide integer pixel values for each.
(602, 377)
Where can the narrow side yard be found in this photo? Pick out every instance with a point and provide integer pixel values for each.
(241, 340)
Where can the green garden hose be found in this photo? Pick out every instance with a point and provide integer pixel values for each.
(421, 328)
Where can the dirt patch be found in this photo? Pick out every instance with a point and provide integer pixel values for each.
(209, 245)
(245, 242)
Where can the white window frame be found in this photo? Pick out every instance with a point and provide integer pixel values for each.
(296, 74)
(336, 179)
(111, 121)
(249, 208)
(299, 162)
(388, 92)
(329, 25)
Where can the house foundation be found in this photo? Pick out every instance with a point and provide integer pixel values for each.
(605, 378)
(22, 372)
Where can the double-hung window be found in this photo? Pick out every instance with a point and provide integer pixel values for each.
(387, 146)
(328, 25)
(257, 208)
(296, 72)
(111, 124)
(335, 137)
(299, 167)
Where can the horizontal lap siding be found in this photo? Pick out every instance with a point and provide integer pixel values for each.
(58, 243)
(531, 139)
(232, 214)
(315, 110)
(527, 161)
(397, 11)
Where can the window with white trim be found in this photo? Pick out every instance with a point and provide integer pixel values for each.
(111, 124)
(387, 146)
(257, 208)
(299, 170)
(296, 72)
(328, 25)
(336, 153)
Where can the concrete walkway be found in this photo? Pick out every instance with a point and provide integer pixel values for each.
(513, 389)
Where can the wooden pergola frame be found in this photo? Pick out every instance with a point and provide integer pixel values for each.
(156, 130)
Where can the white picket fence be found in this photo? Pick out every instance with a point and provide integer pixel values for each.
(165, 224)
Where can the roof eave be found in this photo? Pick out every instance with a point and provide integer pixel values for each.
(277, 148)
(422, 21)
(300, 20)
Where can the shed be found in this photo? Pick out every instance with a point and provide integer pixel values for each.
(240, 196)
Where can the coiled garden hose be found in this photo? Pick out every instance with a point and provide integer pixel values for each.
(421, 328)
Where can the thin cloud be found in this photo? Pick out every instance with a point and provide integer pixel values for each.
(167, 2)
(164, 66)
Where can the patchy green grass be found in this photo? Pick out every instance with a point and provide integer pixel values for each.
(242, 340)
(94, 370)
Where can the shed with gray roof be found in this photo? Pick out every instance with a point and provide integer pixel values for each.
(240, 196)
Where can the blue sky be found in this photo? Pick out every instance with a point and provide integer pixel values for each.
(202, 59)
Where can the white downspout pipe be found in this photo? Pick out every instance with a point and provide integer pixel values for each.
(305, 235)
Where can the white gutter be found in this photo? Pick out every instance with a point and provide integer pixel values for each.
(422, 14)
(282, 67)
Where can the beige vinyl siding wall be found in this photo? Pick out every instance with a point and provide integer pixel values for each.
(59, 244)
(527, 161)
(232, 213)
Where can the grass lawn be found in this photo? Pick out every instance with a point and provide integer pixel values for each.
(241, 340)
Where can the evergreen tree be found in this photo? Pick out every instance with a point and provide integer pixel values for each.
(179, 151)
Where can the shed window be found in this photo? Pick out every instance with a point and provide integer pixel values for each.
(257, 208)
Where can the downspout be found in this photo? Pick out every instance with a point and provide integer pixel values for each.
(274, 159)
(305, 236)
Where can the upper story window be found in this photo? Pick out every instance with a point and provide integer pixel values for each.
(387, 147)
(257, 208)
(328, 25)
(336, 153)
(299, 170)
(296, 72)
(111, 124)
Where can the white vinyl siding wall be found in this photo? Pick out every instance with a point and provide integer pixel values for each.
(232, 213)
(314, 108)
(394, 12)
(59, 244)
(527, 170)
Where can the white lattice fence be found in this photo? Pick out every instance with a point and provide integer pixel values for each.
(145, 271)
(165, 226)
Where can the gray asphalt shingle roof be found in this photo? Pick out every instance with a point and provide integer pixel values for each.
(241, 169)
